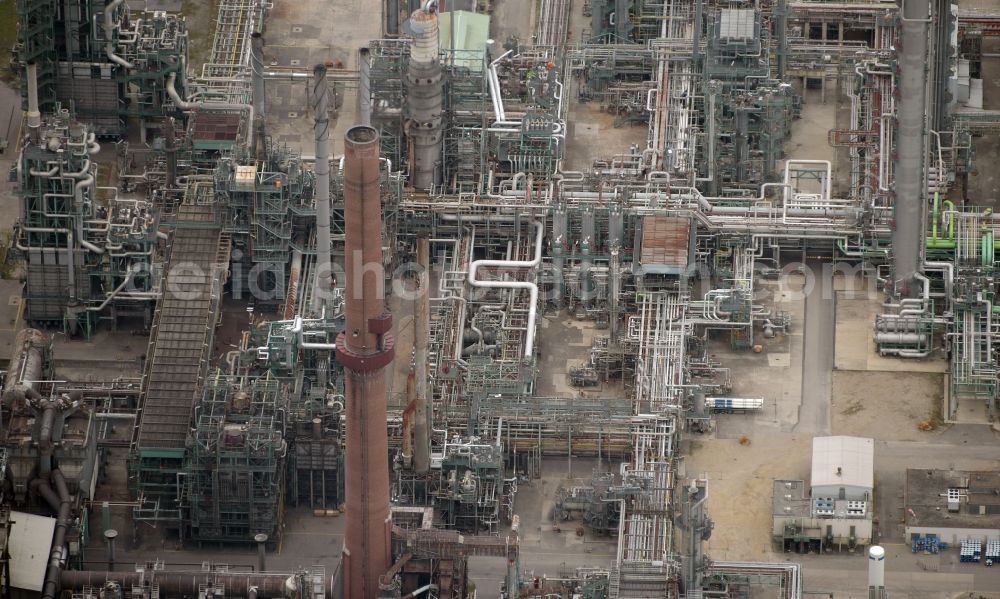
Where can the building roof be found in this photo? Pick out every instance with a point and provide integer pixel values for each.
(471, 32)
(29, 544)
(927, 503)
(843, 462)
(666, 244)
(736, 24)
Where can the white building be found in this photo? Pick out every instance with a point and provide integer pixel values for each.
(838, 507)
(843, 468)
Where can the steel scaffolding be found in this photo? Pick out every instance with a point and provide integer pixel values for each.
(233, 483)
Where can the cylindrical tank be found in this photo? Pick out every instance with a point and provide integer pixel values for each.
(424, 96)
(901, 338)
(876, 566)
(27, 364)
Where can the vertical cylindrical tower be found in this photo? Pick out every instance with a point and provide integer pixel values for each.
(908, 205)
(365, 348)
(364, 87)
(321, 112)
(34, 117)
(876, 567)
(423, 99)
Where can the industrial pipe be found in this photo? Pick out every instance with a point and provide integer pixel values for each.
(423, 423)
(911, 145)
(175, 583)
(109, 536)
(365, 86)
(34, 116)
(261, 540)
(109, 35)
(321, 130)
(531, 287)
(201, 104)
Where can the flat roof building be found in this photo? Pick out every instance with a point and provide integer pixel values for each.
(952, 504)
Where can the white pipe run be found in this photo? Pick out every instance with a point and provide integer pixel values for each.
(529, 340)
(109, 29)
(183, 105)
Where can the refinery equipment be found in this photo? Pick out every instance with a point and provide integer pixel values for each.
(460, 180)
(98, 57)
(88, 252)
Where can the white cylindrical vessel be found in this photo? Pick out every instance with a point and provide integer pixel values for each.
(876, 567)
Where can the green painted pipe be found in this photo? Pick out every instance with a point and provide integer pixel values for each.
(934, 218)
(942, 244)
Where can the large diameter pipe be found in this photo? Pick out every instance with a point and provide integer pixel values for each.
(52, 574)
(26, 366)
(268, 586)
(364, 87)
(34, 116)
(532, 288)
(109, 34)
(423, 414)
(321, 113)
(908, 207)
(261, 540)
(392, 18)
(365, 349)
(257, 74)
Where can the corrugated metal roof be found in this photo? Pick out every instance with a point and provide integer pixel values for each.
(29, 544)
(843, 461)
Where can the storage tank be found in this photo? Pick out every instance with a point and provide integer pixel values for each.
(876, 567)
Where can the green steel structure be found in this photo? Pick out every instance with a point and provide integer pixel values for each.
(233, 480)
(88, 252)
(93, 55)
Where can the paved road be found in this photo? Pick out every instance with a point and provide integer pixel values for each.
(817, 352)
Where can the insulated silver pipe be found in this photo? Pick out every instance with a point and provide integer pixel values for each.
(321, 112)
(34, 117)
(423, 418)
(109, 35)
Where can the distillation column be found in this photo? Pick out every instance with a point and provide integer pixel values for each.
(365, 349)
(908, 205)
(424, 91)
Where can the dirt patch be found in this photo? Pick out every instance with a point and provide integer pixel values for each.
(201, 20)
(888, 406)
(740, 482)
